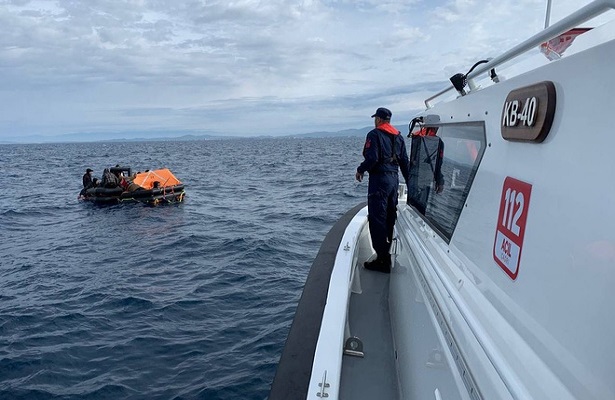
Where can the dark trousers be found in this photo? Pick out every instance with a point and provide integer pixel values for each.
(382, 211)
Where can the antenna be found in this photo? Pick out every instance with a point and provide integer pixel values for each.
(548, 14)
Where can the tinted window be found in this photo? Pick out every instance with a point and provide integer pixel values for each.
(442, 170)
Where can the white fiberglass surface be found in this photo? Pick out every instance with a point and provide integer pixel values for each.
(560, 301)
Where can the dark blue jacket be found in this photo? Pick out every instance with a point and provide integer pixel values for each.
(378, 152)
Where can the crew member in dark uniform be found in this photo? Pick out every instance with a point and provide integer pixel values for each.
(384, 152)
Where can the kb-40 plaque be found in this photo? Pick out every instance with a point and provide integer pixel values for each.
(528, 112)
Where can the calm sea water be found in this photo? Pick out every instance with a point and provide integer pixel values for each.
(189, 301)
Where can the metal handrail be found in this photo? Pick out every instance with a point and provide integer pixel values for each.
(586, 13)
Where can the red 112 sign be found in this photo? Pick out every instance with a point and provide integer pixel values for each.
(510, 228)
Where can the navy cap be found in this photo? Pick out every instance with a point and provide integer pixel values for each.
(88, 171)
(383, 113)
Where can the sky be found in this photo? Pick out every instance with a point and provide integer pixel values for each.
(241, 67)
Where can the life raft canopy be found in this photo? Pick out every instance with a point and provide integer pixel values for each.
(159, 178)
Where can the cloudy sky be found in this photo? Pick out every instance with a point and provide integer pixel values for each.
(241, 67)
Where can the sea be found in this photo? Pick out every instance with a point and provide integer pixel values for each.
(183, 301)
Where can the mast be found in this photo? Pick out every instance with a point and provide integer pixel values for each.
(548, 14)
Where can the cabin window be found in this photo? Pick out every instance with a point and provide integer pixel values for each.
(442, 168)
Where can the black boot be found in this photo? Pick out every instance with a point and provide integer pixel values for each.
(379, 265)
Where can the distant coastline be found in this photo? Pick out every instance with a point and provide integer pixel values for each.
(145, 136)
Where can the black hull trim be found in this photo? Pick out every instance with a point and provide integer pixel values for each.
(295, 367)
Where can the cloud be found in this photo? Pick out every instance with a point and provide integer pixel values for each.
(272, 65)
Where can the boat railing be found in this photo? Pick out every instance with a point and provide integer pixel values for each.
(327, 367)
(315, 341)
(584, 14)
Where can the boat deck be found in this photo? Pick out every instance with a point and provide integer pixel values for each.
(373, 376)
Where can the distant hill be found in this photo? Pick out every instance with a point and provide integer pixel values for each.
(142, 136)
(343, 133)
(129, 136)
